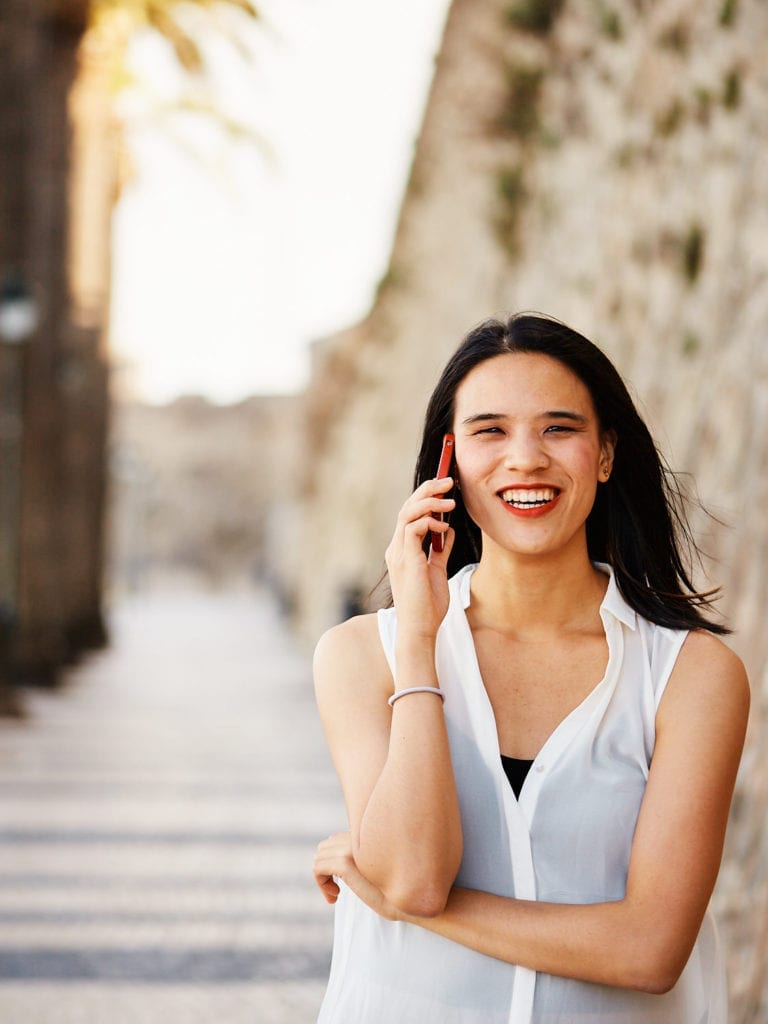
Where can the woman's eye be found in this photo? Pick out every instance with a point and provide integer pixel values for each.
(489, 430)
(556, 428)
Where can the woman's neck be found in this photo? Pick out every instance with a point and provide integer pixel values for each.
(536, 598)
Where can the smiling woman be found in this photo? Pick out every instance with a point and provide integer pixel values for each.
(561, 628)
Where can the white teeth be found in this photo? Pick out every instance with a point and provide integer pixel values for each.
(527, 498)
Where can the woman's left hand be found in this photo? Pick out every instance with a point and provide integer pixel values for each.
(334, 858)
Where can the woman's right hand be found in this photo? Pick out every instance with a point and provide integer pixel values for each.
(334, 859)
(420, 584)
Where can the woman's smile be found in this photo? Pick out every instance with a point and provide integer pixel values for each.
(530, 500)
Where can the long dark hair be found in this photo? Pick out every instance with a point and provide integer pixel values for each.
(638, 523)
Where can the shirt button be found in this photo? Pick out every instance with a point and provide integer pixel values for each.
(539, 767)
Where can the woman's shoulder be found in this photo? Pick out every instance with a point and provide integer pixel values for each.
(350, 652)
(705, 654)
(354, 638)
(708, 670)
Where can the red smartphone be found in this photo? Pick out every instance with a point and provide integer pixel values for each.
(443, 470)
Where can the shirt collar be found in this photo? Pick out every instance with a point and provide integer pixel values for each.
(613, 603)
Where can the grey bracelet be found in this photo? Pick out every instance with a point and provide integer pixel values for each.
(416, 689)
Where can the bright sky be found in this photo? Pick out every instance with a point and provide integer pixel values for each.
(228, 258)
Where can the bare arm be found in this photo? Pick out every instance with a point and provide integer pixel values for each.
(644, 940)
(394, 764)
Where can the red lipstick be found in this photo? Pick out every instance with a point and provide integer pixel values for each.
(533, 511)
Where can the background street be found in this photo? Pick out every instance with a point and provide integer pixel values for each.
(158, 817)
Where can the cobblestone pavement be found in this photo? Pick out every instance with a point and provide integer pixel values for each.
(157, 821)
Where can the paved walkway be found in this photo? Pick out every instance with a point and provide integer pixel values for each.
(157, 823)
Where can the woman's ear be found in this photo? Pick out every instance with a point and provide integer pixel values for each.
(607, 451)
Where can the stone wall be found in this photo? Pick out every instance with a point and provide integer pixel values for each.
(609, 168)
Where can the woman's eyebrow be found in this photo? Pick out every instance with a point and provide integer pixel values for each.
(566, 414)
(483, 416)
(551, 414)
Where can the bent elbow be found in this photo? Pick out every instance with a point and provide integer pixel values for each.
(423, 893)
(424, 901)
(657, 986)
(657, 976)
(418, 885)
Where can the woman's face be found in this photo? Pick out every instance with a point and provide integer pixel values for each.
(529, 452)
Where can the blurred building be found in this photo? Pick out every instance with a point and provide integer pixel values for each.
(56, 171)
(206, 495)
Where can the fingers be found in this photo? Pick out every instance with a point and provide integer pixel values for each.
(421, 514)
(432, 488)
(328, 887)
(332, 857)
(441, 557)
(325, 882)
(417, 507)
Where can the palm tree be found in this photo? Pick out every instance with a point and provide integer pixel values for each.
(55, 608)
(123, 18)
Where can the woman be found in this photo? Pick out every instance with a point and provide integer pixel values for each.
(557, 646)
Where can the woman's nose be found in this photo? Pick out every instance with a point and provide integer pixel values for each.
(525, 452)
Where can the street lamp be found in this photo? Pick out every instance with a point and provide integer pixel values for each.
(18, 311)
(19, 316)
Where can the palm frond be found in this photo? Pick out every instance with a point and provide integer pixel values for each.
(121, 20)
(162, 15)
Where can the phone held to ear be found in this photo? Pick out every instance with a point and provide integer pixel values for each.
(443, 470)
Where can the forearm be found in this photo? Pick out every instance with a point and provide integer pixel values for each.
(409, 839)
(615, 943)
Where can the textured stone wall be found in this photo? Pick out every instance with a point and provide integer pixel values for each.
(610, 169)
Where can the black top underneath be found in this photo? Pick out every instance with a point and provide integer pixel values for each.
(516, 769)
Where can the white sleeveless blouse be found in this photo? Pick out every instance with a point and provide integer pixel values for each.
(567, 840)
